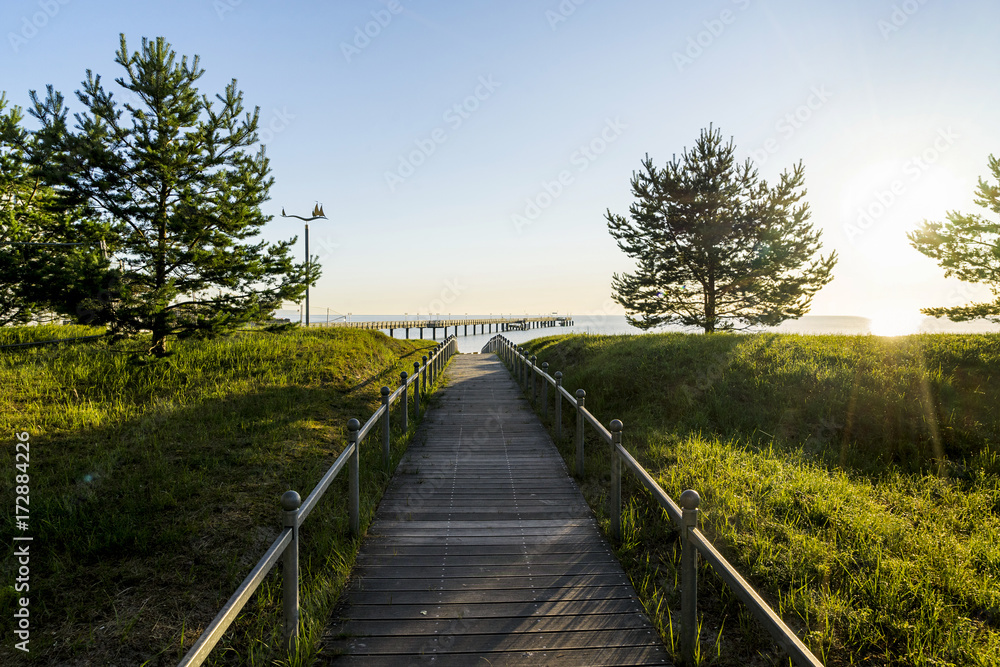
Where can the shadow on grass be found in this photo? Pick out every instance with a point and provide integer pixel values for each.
(144, 528)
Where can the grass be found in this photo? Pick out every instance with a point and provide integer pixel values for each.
(155, 485)
(851, 479)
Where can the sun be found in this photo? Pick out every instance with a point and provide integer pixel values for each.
(895, 324)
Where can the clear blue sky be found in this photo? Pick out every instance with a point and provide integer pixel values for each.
(892, 106)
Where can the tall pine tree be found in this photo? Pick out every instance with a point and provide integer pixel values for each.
(967, 246)
(716, 247)
(173, 174)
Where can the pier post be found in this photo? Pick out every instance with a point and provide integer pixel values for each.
(404, 407)
(558, 377)
(416, 389)
(545, 391)
(534, 391)
(385, 428)
(689, 501)
(354, 484)
(615, 498)
(290, 503)
(581, 397)
(424, 378)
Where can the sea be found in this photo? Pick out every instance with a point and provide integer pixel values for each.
(617, 324)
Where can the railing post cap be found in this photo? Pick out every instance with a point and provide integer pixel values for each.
(558, 375)
(403, 375)
(690, 499)
(416, 365)
(353, 424)
(385, 391)
(580, 393)
(290, 501)
(425, 358)
(533, 357)
(617, 426)
(545, 365)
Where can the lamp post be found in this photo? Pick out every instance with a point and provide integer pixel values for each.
(317, 214)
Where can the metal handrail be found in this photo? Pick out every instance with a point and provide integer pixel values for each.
(685, 515)
(286, 545)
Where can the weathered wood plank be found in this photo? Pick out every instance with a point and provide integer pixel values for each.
(461, 642)
(602, 657)
(612, 600)
(470, 597)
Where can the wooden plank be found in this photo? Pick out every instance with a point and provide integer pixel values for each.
(483, 551)
(460, 569)
(493, 582)
(622, 604)
(603, 657)
(522, 624)
(471, 597)
(459, 642)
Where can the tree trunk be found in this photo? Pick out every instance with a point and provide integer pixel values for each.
(159, 325)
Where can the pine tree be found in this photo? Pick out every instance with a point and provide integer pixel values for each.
(171, 173)
(967, 247)
(715, 246)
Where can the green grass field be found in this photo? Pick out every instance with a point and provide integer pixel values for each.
(155, 485)
(852, 480)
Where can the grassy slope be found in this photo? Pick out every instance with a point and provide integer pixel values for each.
(853, 479)
(155, 484)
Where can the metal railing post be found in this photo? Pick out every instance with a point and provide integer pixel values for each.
(531, 371)
(424, 377)
(689, 501)
(581, 397)
(615, 498)
(545, 390)
(353, 426)
(290, 503)
(386, 447)
(404, 407)
(558, 407)
(416, 390)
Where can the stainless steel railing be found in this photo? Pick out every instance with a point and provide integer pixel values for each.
(685, 516)
(286, 546)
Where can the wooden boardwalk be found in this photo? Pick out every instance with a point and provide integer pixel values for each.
(484, 552)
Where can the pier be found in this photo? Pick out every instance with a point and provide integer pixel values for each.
(487, 325)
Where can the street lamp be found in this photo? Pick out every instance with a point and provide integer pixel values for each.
(317, 214)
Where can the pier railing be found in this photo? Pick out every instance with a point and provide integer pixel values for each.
(530, 375)
(286, 546)
(485, 324)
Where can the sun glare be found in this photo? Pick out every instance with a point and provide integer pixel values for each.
(898, 324)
